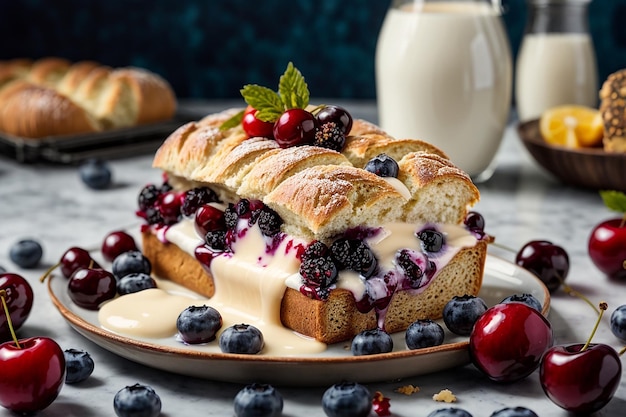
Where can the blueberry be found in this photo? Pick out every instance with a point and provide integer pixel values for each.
(130, 262)
(95, 173)
(241, 338)
(618, 322)
(423, 333)
(26, 253)
(514, 412)
(258, 400)
(347, 399)
(528, 299)
(450, 412)
(432, 240)
(383, 165)
(79, 365)
(370, 342)
(198, 324)
(461, 312)
(137, 401)
(135, 282)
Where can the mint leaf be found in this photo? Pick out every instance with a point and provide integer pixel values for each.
(267, 102)
(293, 89)
(614, 200)
(234, 121)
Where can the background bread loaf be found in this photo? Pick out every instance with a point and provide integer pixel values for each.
(53, 96)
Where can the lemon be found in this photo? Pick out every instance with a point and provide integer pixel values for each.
(572, 126)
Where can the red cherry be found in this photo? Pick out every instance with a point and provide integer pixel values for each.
(607, 247)
(32, 374)
(255, 127)
(169, 205)
(295, 127)
(116, 243)
(19, 299)
(549, 262)
(209, 218)
(580, 381)
(508, 340)
(89, 288)
(75, 258)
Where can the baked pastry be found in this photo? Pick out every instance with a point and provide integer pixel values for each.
(53, 97)
(329, 246)
(613, 110)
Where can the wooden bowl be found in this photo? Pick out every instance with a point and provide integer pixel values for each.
(586, 167)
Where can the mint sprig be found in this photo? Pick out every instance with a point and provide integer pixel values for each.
(293, 93)
(614, 200)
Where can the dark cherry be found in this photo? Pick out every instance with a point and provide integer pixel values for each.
(255, 127)
(89, 288)
(116, 243)
(546, 260)
(336, 114)
(18, 295)
(474, 221)
(208, 219)
(295, 127)
(75, 258)
(169, 206)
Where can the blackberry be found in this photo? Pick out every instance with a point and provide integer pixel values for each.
(318, 272)
(412, 271)
(216, 239)
(315, 249)
(153, 216)
(243, 207)
(269, 221)
(197, 197)
(383, 165)
(330, 136)
(148, 196)
(355, 255)
(432, 240)
(165, 187)
(230, 216)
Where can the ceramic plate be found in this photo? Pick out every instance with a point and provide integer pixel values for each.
(501, 279)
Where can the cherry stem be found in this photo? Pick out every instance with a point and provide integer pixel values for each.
(3, 295)
(48, 272)
(622, 351)
(603, 306)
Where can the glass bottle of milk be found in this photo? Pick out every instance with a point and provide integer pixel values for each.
(444, 75)
(556, 64)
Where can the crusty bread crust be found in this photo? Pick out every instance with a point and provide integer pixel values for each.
(337, 318)
(613, 110)
(53, 96)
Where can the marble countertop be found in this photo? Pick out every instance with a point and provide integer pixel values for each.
(520, 202)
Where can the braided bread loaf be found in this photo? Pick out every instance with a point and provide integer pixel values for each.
(52, 97)
(320, 194)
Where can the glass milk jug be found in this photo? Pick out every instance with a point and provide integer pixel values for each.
(556, 64)
(444, 75)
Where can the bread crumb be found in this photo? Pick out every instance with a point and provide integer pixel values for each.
(407, 390)
(445, 395)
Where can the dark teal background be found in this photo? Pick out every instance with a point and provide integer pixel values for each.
(210, 48)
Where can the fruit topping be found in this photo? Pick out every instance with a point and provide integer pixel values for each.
(514, 412)
(415, 266)
(546, 260)
(135, 282)
(137, 400)
(347, 399)
(169, 205)
(383, 166)
(581, 378)
(423, 333)
(618, 322)
(95, 173)
(318, 271)
(255, 127)
(26, 253)
(116, 243)
(432, 240)
(355, 255)
(198, 324)
(525, 298)
(371, 342)
(607, 242)
(461, 312)
(449, 412)
(89, 288)
(337, 115)
(330, 136)
(241, 338)
(195, 198)
(79, 365)
(208, 219)
(18, 298)
(130, 262)
(216, 240)
(269, 221)
(295, 127)
(148, 196)
(508, 341)
(258, 400)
